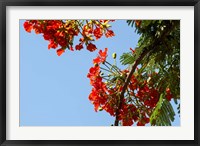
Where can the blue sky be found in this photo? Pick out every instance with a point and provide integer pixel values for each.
(54, 90)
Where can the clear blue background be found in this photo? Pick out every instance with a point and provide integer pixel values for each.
(54, 90)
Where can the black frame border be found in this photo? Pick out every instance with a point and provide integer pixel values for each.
(5, 3)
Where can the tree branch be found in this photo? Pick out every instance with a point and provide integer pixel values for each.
(126, 84)
(145, 51)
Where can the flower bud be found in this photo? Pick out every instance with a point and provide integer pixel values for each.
(107, 25)
(91, 38)
(114, 55)
(100, 108)
(96, 64)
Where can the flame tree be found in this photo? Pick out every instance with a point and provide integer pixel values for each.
(138, 94)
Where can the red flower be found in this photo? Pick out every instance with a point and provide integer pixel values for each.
(98, 33)
(71, 48)
(91, 47)
(101, 56)
(48, 36)
(140, 124)
(109, 108)
(98, 94)
(81, 40)
(169, 95)
(97, 60)
(138, 23)
(52, 44)
(62, 41)
(128, 114)
(79, 46)
(96, 106)
(93, 98)
(60, 51)
(93, 74)
(28, 26)
(87, 30)
(133, 51)
(147, 120)
(109, 33)
(94, 71)
(127, 122)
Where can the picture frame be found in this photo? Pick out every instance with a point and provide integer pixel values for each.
(3, 108)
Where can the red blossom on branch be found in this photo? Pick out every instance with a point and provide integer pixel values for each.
(61, 33)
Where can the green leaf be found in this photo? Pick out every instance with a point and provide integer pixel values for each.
(156, 111)
(127, 58)
(163, 113)
(130, 22)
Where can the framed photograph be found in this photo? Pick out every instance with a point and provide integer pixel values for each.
(99, 72)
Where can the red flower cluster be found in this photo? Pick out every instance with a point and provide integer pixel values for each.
(144, 120)
(98, 95)
(57, 32)
(139, 100)
(149, 96)
(95, 29)
(109, 33)
(101, 57)
(128, 114)
(61, 33)
(106, 97)
(144, 92)
(91, 47)
(98, 32)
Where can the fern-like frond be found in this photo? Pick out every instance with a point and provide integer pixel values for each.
(130, 22)
(163, 114)
(127, 58)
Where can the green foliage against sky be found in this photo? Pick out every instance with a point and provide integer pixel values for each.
(161, 40)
